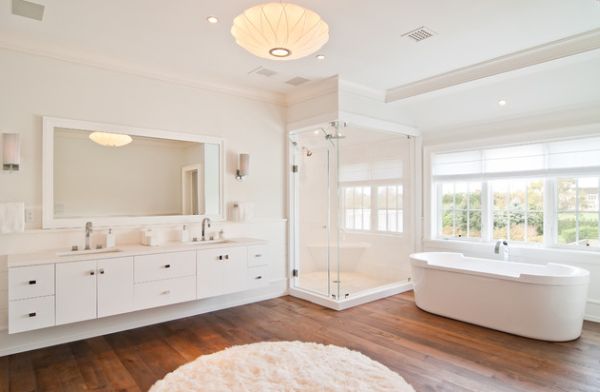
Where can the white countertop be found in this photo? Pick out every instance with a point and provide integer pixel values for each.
(50, 257)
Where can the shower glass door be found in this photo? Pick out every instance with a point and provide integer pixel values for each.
(313, 159)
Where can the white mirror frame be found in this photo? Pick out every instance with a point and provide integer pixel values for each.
(49, 124)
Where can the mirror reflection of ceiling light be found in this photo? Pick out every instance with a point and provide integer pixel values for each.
(212, 19)
(110, 139)
(280, 31)
(502, 102)
(320, 57)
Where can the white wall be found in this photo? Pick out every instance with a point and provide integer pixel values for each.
(490, 135)
(34, 86)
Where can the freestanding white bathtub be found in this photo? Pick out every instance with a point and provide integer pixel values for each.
(540, 301)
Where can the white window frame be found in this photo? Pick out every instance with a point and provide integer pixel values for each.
(431, 232)
(439, 211)
(374, 206)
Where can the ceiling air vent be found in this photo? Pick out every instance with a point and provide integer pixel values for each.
(419, 34)
(263, 72)
(297, 81)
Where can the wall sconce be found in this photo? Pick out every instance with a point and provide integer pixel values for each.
(11, 146)
(244, 167)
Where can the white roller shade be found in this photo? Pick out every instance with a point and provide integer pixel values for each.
(537, 159)
(371, 171)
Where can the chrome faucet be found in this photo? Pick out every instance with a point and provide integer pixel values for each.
(502, 245)
(205, 222)
(88, 231)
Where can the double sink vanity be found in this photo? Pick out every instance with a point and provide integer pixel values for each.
(116, 175)
(46, 290)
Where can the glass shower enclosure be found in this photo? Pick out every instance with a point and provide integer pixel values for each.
(351, 227)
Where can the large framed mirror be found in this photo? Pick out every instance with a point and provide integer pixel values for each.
(119, 175)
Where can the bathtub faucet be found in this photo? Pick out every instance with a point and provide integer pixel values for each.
(502, 245)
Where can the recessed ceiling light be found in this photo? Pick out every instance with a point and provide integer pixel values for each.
(320, 57)
(502, 102)
(212, 19)
(316, 131)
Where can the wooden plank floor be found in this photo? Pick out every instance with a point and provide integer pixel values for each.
(432, 353)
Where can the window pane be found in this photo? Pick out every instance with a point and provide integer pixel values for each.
(381, 197)
(391, 219)
(447, 223)
(349, 219)
(588, 194)
(400, 221)
(500, 219)
(567, 228)
(475, 195)
(381, 220)
(588, 229)
(399, 196)
(475, 224)
(535, 195)
(499, 192)
(348, 197)
(358, 219)
(567, 191)
(517, 226)
(447, 196)
(517, 194)
(366, 213)
(460, 195)
(535, 227)
(461, 223)
(391, 197)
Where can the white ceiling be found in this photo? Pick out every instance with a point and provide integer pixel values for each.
(366, 44)
(553, 87)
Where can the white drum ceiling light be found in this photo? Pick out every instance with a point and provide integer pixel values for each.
(110, 139)
(280, 31)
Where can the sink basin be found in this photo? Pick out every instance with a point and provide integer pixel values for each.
(87, 252)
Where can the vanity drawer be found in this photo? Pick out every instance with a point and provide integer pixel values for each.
(149, 268)
(29, 314)
(221, 256)
(164, 292)
(257, 277)
(30, 282)
(257, 255)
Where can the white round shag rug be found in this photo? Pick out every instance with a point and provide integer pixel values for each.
(283, 366)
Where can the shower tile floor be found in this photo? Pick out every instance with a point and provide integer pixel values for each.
(351, 282)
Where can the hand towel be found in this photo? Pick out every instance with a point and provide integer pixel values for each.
(12, 218)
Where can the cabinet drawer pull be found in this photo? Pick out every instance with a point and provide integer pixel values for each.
(167, 265)
(166, 292)
(92, 273)
(226, 257)
(258, 277)
(258, 255)
(32, 314)
(101, 271)
(32, 282)
(220, 258)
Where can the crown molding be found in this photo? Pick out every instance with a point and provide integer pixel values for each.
(565, 47)
(114, 66)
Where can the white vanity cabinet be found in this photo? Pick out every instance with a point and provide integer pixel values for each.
(31, 297)
(46, 290)
(86, 290)
(221, 271)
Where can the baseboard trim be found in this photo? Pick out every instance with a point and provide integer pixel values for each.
(16, 343)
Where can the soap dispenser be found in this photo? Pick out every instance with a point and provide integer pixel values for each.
(110, 239)
(184, 234)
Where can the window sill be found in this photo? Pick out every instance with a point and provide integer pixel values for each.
(518, 252)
